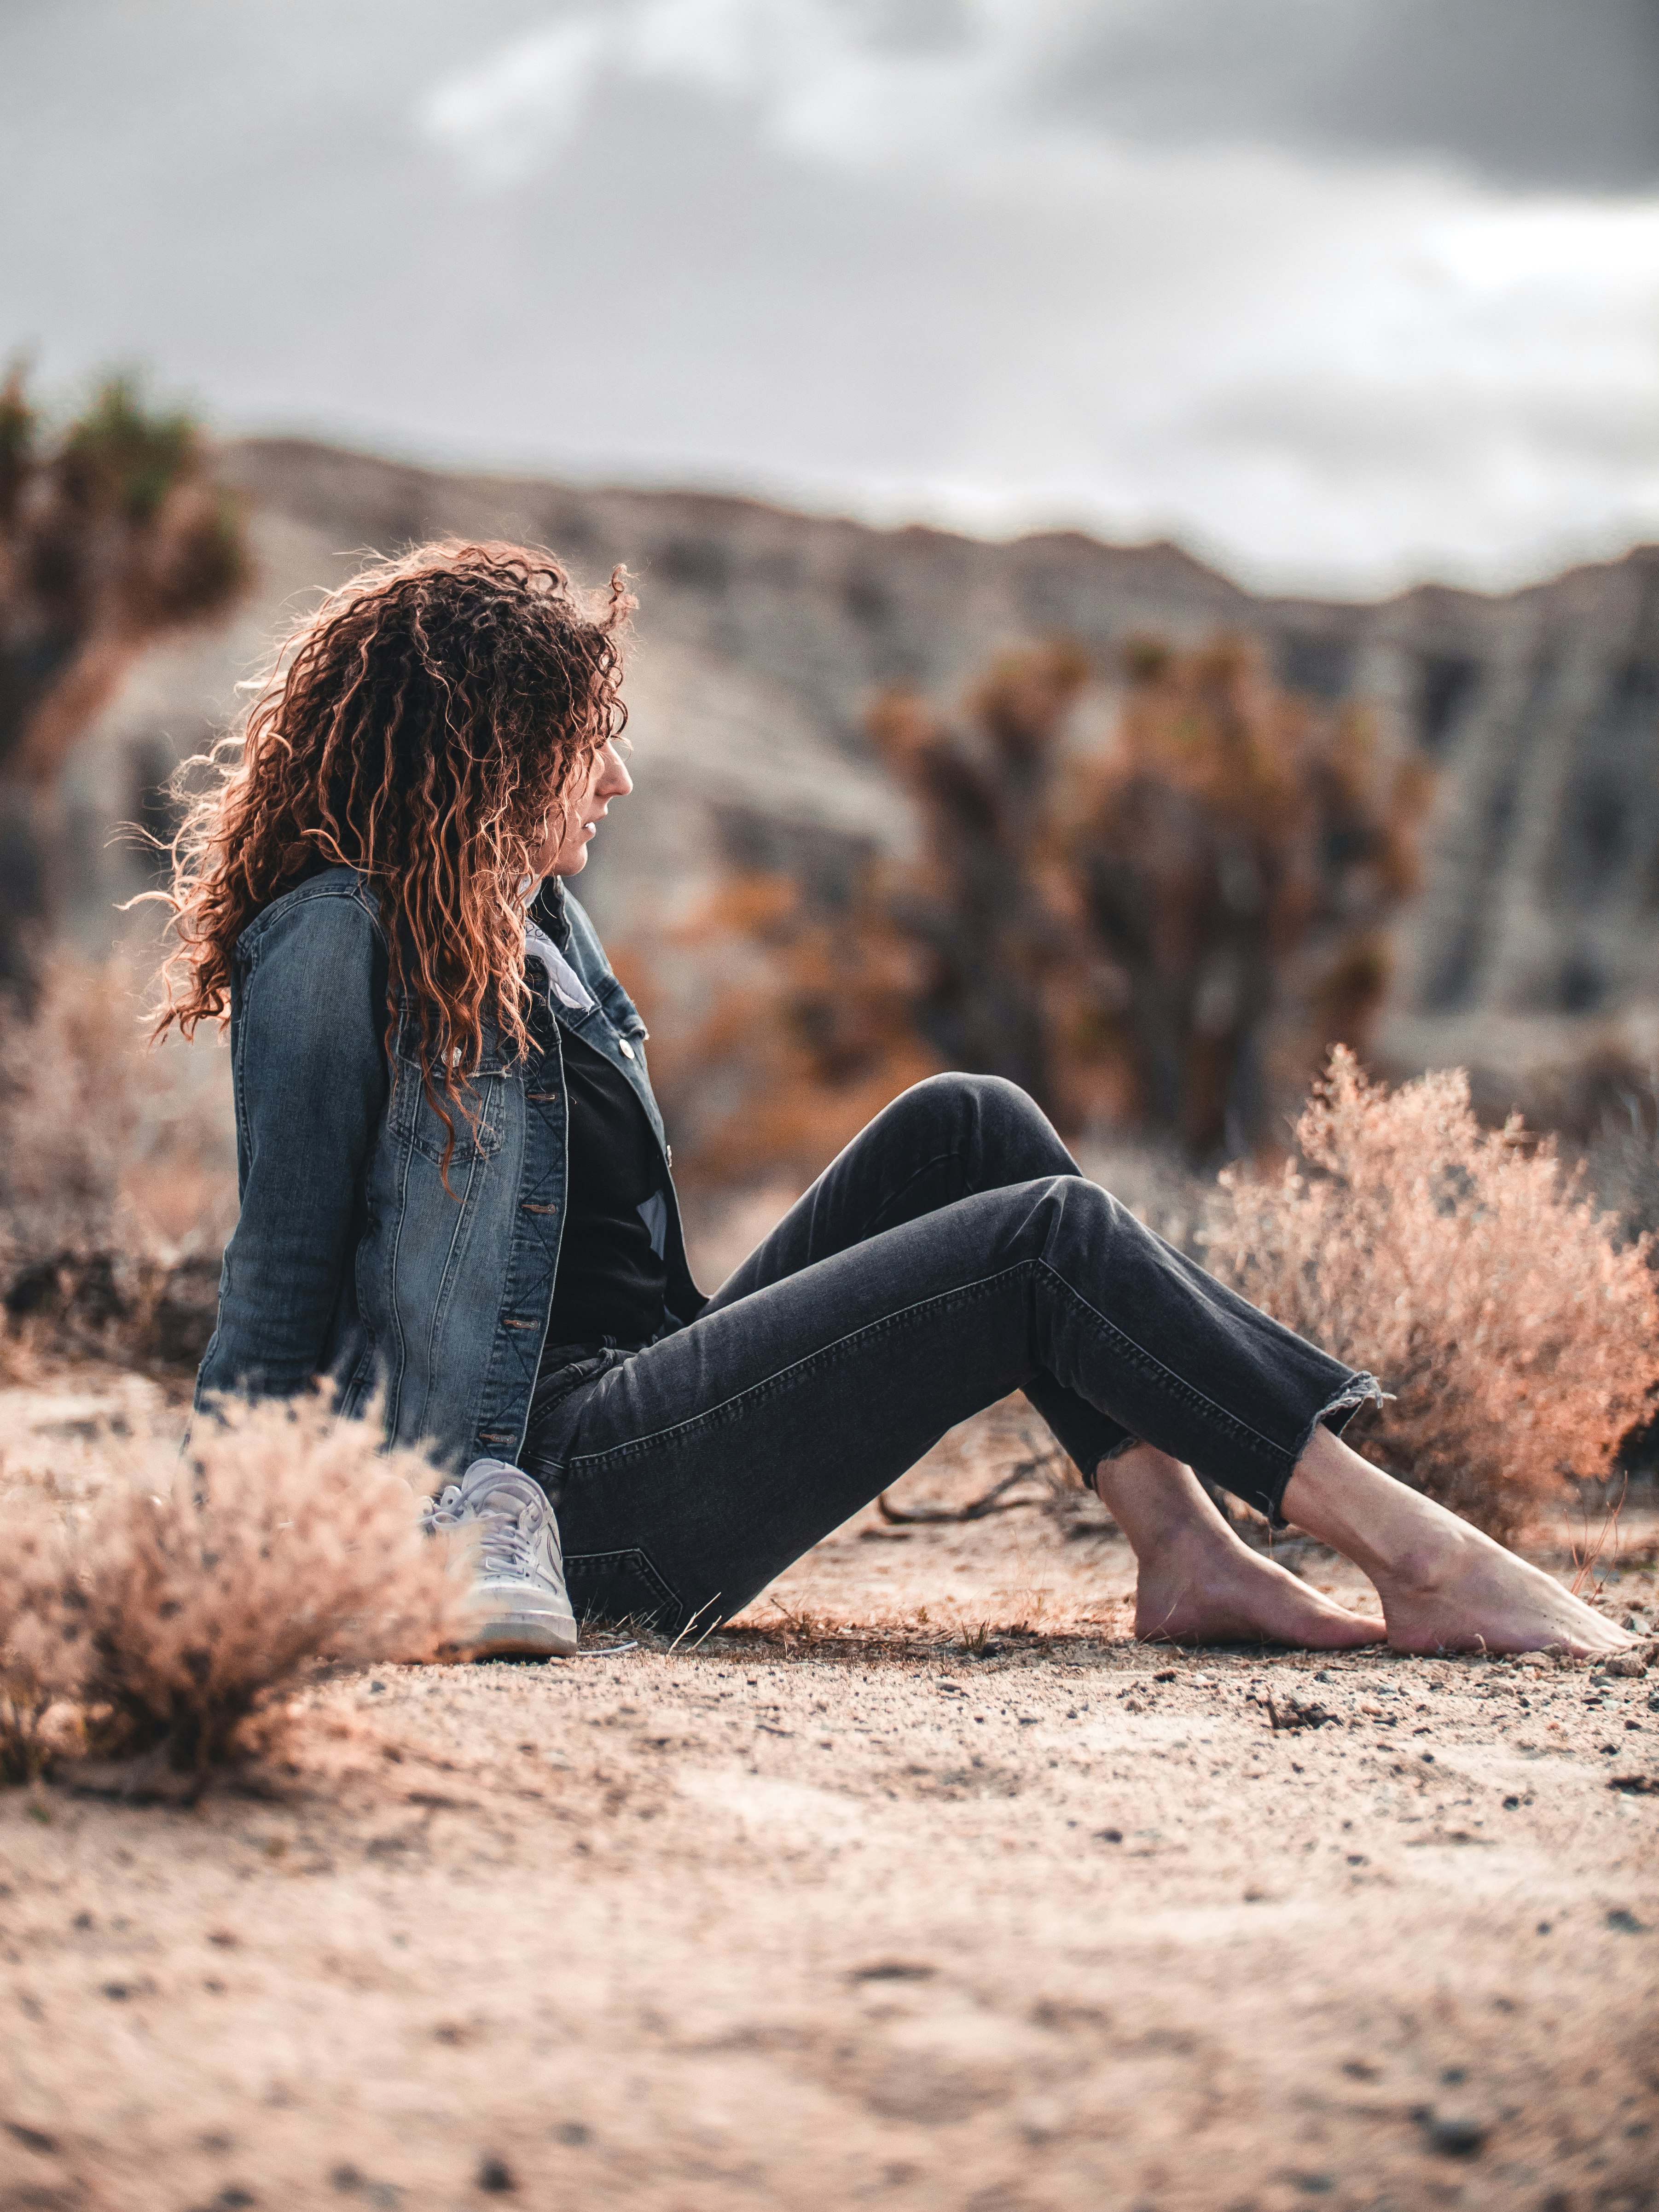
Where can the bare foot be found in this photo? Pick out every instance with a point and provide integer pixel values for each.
(1197, 1584)
(1444, 1586)
(1465, 1593)
(1209, 1595)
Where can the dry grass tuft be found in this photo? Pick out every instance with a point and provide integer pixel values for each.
(191, 1593)
(41, 1659)
(1467, 1269)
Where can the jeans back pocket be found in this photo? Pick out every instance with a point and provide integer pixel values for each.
(621, 1587)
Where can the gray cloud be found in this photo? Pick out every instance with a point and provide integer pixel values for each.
(912, 25)
(847, 258)
(1560, 93)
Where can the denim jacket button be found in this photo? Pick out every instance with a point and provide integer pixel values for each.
(626, 1046)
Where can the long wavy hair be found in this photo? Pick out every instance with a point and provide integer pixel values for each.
(421, 725)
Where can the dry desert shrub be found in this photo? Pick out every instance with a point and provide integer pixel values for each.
(117, 1173)
(41, 1654)
(283, 1536)
(194, 1591)
(1464, 1266)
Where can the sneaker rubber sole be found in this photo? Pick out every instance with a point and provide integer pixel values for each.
(510, 1631)
(521, 1639)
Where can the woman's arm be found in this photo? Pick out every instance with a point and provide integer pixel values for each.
(310, 1071)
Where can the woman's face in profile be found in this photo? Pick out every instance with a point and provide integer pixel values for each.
(568, 834)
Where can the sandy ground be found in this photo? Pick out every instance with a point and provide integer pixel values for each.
(923, 1887)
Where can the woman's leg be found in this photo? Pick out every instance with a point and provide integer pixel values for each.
(1444, 1586)
(1449, 1586)
(955, 1135)
(1197, 1584)
(948, 1138)
(704, 1465)
(689, 1473)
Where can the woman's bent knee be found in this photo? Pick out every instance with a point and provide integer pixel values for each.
(991, 1101)
(997, 1132)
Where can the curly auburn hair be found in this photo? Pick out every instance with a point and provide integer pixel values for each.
(421, 726)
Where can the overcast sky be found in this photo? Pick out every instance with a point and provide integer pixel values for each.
(1339, 293)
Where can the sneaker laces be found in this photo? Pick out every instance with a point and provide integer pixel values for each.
(507, 1527)
(504, 1547)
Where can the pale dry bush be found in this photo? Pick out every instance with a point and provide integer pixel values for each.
(117, 1180)
(195, 1591)
(82, 1101)
(41, 1654)
(1468, 1270)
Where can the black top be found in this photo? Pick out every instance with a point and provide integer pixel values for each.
(610, 1282)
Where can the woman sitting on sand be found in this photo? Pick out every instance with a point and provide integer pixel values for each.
(456, 1201)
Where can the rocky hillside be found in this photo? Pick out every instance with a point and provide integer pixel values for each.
(763, 633)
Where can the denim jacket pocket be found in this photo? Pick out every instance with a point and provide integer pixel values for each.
(477, 1111)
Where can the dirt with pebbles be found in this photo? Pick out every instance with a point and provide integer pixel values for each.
(923, 1885)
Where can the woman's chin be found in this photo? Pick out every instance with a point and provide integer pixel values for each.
(570, 864)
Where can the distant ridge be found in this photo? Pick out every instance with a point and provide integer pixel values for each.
(763, 632)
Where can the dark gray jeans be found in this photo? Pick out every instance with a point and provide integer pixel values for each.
(950, 1255)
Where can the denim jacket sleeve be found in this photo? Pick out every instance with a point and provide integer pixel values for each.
(311, 1080)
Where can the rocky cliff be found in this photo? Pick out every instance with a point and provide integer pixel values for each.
(763, 634)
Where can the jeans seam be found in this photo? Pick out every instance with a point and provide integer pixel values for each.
(1177, 1384)
(893, 1197)
(869, 1331)
(1240, 1431)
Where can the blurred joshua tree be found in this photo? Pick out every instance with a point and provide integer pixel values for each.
(1168, 929)
(112, 532)
(1233, 857)
(980, 903)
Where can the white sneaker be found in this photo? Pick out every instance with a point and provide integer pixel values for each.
(522, 1605)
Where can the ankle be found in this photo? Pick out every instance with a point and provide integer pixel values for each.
(1393, 1534)
(1429, 1557)
(1171, 1522)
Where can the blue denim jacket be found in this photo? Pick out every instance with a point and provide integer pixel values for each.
(350, 1259)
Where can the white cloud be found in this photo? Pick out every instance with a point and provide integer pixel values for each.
(505, 118)
(819, 80)
(1342, 385)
